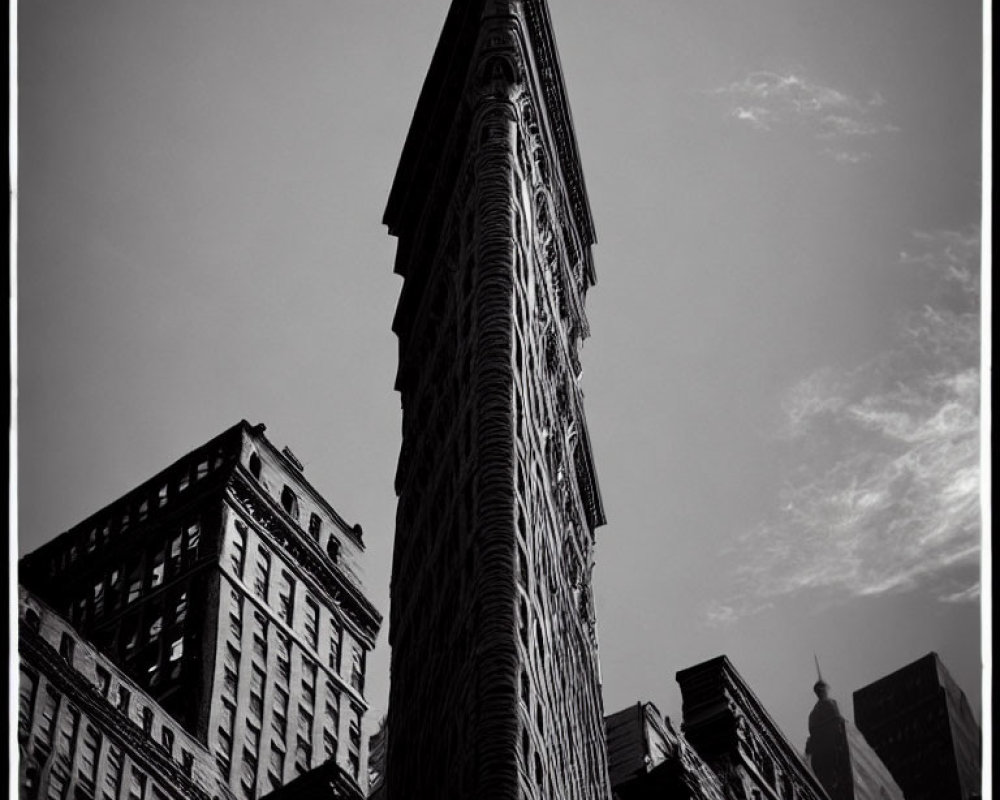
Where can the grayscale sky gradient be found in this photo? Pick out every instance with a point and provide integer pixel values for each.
(782, 383)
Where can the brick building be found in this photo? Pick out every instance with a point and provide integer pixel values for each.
(226, 590)
(492, 627)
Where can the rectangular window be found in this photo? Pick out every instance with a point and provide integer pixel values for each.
(358, 668)
(279, 712)
(336, 636)
(147, 721)
(137, 785)
(58, 781)
(304, 731)
(67, 731)
(312, 622)
(331, 707)
(161, 496)
(187, 762)
(167, 740)
(237, 549)
(283, 658)
(176, 542)
(309, 682)
(329, 744)
(159, 566)
(286, 597)
(124, 696)
(103, 681)
(276, 766)
(66, 647)
(99, 598)
(181, 607)
(202, 470)
(236, 614)
(260, 638)
(89, 749)
(315, 524)
(257, 693)
(193, 533)
(263, 575)
(134, 581)
(26, 705)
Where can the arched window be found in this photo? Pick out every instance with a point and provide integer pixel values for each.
(254, 465)
(333, 549)
(290, 502)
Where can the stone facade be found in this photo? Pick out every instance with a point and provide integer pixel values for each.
(730, 729)
(227, 589)
(919, 722)
(494, 647)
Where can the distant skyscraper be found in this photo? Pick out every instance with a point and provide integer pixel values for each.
(730, 729)
(226, 589)
(495, 689)
(919, 722)
(841, 758)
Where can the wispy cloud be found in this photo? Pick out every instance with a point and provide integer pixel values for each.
(768, 101)
(884, 495)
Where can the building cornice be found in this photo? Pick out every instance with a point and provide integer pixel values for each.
(290, 537)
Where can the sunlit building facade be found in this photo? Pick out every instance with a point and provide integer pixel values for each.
(226, 589)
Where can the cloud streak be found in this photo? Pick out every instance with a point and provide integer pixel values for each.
(768, 101)
(884, 494)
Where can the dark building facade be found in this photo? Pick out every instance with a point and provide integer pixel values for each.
(227, 591)
(841, 757)
(919, 722)
(649, 760)
(492, 627)
(730, 729)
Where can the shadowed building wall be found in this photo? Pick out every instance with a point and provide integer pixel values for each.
(919, 722)
(649, 760)
(842, 759)
(228, 590)
(495, 689)
(730, 729)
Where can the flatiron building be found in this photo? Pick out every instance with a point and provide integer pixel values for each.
(495, 685)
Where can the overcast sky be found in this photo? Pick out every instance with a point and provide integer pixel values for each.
(782, 382)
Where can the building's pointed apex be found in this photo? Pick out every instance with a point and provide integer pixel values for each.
(821, 687)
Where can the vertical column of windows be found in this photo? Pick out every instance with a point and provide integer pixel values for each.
(286, 598)
(47, 721)
(89, 749)
(354, 741)
(137, 784)
(331, 720)
(358, 667)
(26, 704)
(237, 548)
(112, 773)
(58, 782)
(262, 574)
(311, 623)
(306, 710)
(336, 641)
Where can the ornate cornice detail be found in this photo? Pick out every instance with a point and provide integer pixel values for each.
(340, 591)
